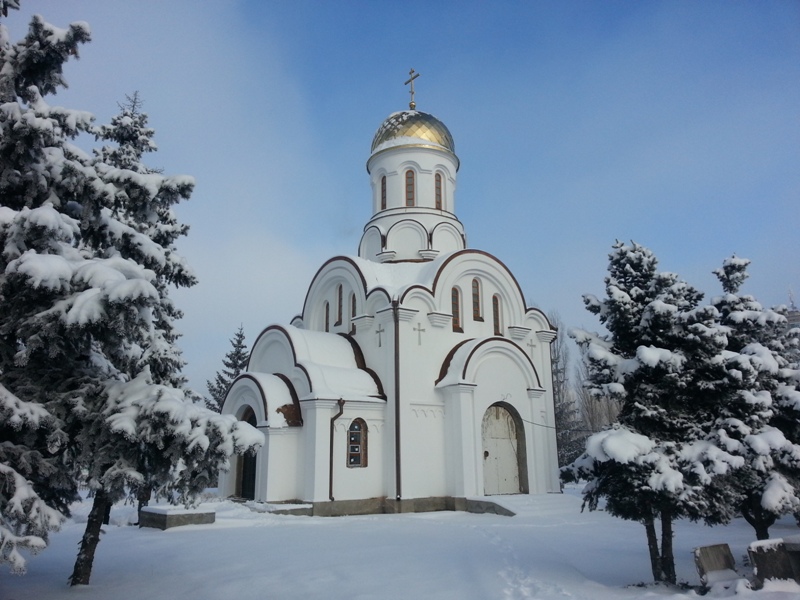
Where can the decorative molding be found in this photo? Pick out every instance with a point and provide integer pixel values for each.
(386, 255)
(404, 315)
(274, 431)
(363, 322)
(384, 315)
(534, 393)
(428, 404)
(518, 333)
(425, 413)
(461, 386)
(440, 320)
(546, 336)
(429, 254)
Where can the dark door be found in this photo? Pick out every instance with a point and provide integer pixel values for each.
(249, 476)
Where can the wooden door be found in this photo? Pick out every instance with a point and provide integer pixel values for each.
(500, 452)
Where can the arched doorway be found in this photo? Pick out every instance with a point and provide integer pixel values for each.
(247, 465)
(504, 464)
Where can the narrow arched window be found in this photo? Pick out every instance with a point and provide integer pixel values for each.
(439, 191)
(496, 316)
(383, 192)
(338, 305)
(327, 317)
(476, 300)
(357, 444)
(455, 299)
(409, 188)
(352, 314)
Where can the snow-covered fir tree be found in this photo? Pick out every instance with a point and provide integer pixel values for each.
(26, 518)
(760, 419)
(34, 437)
(234, 363)
(658, 359)
(152, 224)
(87, 366)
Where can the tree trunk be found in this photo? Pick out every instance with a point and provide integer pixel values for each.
(652, 546)
(667, 557)
(758, 518)
(91, 537)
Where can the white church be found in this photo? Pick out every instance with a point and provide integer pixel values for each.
(414, 378)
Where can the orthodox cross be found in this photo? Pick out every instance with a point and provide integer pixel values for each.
(531, 345)
(412, 105)
(379, 331)
(419, 331)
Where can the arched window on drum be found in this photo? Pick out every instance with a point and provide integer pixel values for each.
(410, 188)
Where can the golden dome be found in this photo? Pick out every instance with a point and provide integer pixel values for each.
(412, 124)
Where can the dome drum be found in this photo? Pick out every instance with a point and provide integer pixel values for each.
(412, 169)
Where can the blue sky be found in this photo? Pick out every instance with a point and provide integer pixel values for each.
(675, 124)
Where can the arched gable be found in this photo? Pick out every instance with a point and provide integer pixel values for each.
(271, 398)
(445, 237)
(459, 268)
(407, 234)
(464, 361)
(340, 270)
(372, 242)
(537, 320)
(419, 294)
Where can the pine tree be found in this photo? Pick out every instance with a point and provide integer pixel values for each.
(86, 362)
(234, 363)
(659, 360)
(759, 422)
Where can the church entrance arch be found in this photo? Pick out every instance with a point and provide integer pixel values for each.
(504, 456)
(247, 465)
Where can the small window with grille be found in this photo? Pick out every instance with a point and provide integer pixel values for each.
(357, 444)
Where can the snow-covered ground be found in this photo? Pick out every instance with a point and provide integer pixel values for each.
(549, 550)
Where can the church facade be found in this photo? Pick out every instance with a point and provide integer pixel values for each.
(415, 378)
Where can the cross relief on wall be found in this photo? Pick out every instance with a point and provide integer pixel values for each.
(420, 330)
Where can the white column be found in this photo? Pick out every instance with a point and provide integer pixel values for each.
(316, 423)
(462, 453)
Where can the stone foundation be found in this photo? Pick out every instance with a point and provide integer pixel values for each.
(371, 506)
(163, 518)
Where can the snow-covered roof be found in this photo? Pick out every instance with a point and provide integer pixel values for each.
(328, 360)
(396, 277)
